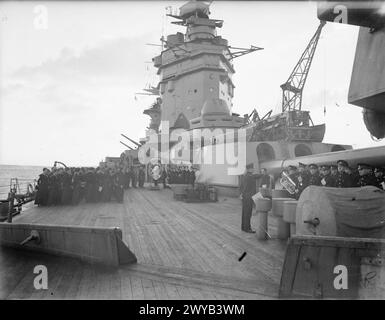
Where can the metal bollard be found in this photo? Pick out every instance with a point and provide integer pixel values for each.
(263, 206)
(289, 215)
(283, 228)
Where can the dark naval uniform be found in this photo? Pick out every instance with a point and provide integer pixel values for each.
(380, 178)
(367, 180)
(344, 180)
(381, 182)
(314, 179)
(303, 181)
(42, 190)
(248, 189)
(141, 177)
(328, 181)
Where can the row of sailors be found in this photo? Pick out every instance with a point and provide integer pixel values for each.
(72, 185)
(338, 176)
(181, 175)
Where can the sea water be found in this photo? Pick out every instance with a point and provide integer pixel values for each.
(25, 175)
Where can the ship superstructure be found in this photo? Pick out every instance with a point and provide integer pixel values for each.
(196, 91)
(196, 69)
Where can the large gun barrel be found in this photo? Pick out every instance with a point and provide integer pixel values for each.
(126, 145)
(134, 142)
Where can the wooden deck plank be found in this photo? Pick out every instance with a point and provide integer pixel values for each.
(184, 251)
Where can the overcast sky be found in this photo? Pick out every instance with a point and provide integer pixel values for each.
(67, 91)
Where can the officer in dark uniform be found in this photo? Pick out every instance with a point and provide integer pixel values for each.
(379, 174)
(265, 181)
(248, 189)
(334, 172)
(117, 188)
(141, 176)
(42, 188)
(366, 176)
(302, 177)
(353, 176)
(343, 179)
(327, 180)
(314, 177)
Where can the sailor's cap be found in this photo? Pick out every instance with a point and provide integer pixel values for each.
(343, 163)
(313, 166)
(250, 166)
(364, 166)
(325, 167)
(292, 167)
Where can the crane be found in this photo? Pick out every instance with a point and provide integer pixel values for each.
(292, 124)
(293, 87)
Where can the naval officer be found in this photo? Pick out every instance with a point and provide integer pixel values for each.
(343, 178)
(302, 178)
(248, 189)
(314, 177)
(366, 176)
(327, 180)
(379, 173)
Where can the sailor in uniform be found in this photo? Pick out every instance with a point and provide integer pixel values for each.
(248, 189)
(327, 180)
(379, 173)
(141, 176)
(334, 171)
(353, 176)
(302, 177)
(42, 188)
(366, 176)
(314, 177)
(343, 179)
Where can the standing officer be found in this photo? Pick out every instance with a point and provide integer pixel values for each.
(379, 174)
(248, 189)
(314, 177)
(141, 176)
(265, 181)
(353, 176)
(334, 171)
(42, 188)
(303, 178)
(327, 180)
(366, 176)
(343, 179)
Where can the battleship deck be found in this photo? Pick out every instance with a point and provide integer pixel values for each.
(184, 251)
